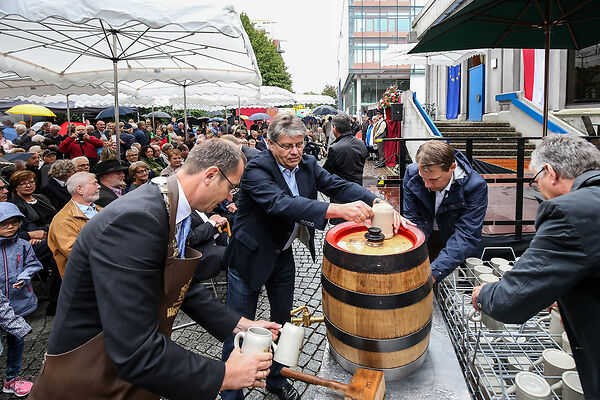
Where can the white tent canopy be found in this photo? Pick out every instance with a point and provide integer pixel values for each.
(314, 99)
(397, 54)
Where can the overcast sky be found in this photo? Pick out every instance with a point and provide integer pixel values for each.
(309, 33)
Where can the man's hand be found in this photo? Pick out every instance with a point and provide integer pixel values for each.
(400, 221)
(475, 295)
(74, 135)
(18, 285)
(218, 220)
(231, 207)
(357, 211)
(245, 323)
(39, 234)
(246, 370)
(33, 242)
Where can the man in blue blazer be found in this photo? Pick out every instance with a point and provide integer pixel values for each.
(277, 203)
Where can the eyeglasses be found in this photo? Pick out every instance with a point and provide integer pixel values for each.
(290, 146)
(234, 189)
(141, 171)
(30, 183)
(3, 188)
(533, 182)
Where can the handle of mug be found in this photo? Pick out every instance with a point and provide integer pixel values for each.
(236, 339)
(543, 319)
(557, 386)
(511, 390)
(535, 363)
(473, 317)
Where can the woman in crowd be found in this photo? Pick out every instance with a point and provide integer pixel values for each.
(175, 160)
(36, 208)
(139, 171)
(148, 158)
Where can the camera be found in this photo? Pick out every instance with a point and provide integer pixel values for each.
(80, 139)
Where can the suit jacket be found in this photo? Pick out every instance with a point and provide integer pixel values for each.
(267, 212)
(106, 195)
(346, 158)
(249, 152)
(56, 193)
(111, 284)
(261, 145)
(24, 141)
(201, 238)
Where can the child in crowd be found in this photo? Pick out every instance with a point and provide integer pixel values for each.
(19, 265)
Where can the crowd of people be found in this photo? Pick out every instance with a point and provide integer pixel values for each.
(126, 242)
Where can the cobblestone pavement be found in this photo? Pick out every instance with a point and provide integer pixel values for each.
(194, 338)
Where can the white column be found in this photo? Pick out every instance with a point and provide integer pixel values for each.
(359, 97)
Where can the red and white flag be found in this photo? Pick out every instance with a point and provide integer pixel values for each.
(533, 68)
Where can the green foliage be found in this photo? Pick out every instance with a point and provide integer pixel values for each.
(330, 90)
(270, 63)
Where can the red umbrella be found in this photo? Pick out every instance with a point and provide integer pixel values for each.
(63, 127)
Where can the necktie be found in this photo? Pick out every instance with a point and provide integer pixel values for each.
(184, 230)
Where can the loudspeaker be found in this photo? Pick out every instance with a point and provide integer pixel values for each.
(396, 111)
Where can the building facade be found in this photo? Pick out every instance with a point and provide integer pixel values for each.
(367, 29)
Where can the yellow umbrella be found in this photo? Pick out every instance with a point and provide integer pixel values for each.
(243, 116)
(30, 109)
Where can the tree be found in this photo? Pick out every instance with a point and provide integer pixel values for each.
(330, 90)
(270, 63)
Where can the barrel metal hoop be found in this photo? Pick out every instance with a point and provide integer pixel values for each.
(377, 301)
(381, 264)
(379, 345)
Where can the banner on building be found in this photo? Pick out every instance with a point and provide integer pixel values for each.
(533, 74)
(453, 94)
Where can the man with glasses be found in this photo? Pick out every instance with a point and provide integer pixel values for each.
(562, 261)
(278, 203)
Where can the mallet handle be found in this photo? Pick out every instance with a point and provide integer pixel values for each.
(314, 380)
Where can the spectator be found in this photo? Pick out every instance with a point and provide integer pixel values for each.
(132, 155)
(20, 264)
(55, 137)
(112, 181)
(159, 157)
(81, 164)
(98, 133)
(6, 144)
(184, 149)
(347, 154)
(248, 152)
(48, 157)
(148, 158)
(80, 143)
(84, 190)
(55, 190)
(139, 172)
(45, 129)
(33, 165)
(175, 160)
(15, 326)
(140, 134)
(23, 140)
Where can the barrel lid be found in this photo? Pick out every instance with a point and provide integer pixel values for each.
(350, 237)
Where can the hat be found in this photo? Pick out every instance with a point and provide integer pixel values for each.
(9, 210)
(127, 126)
(105, 167)
(49, 153)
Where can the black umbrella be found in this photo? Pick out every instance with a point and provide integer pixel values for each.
(325, 110)
(193, 120)
(110, 112)
(259, 117)
(157, 114)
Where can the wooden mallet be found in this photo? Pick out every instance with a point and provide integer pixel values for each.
(366, 384)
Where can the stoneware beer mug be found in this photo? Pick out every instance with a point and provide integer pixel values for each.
(530, 386)
(473, 261)
(497, 261)
(256, 340)
(289, 345)
(555, 327)
(555, 362)
(479, 270)
(570, 385)
(502, 269)
(383, 218)
(476, 316)
(566, 345)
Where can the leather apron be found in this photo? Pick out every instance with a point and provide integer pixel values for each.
(87, 372)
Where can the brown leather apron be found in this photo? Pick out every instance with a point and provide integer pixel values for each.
(87, 372)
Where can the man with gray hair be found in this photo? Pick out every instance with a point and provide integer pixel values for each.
(56, 137)
(562, 261)
(23, 140)
(128, 274)
(278, 203)
(68, 222)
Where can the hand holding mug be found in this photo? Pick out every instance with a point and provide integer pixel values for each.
(246, 370)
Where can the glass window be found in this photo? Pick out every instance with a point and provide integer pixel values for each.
(369, 25)
(583, 75)
(403, 25)
(391, 25)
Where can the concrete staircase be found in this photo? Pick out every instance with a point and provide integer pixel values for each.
(501, 147)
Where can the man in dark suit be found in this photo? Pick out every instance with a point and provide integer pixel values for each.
(56, 187)
(98, 133)
(112, 179)
(347, 154)
(113, 283)
(277, 203)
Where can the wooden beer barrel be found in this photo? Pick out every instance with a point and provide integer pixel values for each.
(377, 301)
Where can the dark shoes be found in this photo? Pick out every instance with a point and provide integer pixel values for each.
(288, 392)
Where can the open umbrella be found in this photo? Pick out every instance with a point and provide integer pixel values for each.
(30, 109)
(216, 119)
(325, 110)
(259, 117)
(194, 120)
(89, 42)
(110, 112)
(540, 24)
(157, 114)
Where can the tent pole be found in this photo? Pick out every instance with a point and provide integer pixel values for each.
(185, 125)
(546, 68)
(240, 110)
(152, 127)
(116, 89)
(68, 116)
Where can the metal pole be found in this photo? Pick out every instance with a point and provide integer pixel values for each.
(519, 191)
(152, 127)
(547, 28)
(68, 116)
(240, 111)
(185, 113)
(116, 89)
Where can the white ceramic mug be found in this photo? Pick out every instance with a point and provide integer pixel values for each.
(518, 363)
(555, 363)
(570, 385)
(383, 218)
(502, 269)
(530, 386)
(289, 345)
(256, 340)
(555, 327)
(479, 270)
(497, 261)
(473, 261)
(489, 322)
(566, 345)
(488, 278)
